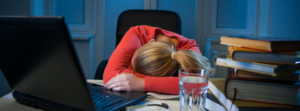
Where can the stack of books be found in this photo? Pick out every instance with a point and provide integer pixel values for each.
(261, 71)
(216, 88)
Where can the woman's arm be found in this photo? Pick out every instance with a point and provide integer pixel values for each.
(130, 82)
(121, 57)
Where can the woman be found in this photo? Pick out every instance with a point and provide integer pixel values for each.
(146, 58)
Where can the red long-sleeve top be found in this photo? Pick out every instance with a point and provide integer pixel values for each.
(134, 38)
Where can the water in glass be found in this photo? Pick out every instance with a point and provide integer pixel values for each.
(193, 91)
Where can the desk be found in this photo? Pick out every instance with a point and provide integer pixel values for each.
(8, 103)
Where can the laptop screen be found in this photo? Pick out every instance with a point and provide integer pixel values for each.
(38, 58)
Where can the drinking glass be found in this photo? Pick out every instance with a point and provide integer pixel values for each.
(193, 84)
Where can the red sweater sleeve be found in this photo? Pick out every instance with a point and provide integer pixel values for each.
(120, 59)
(135, 37)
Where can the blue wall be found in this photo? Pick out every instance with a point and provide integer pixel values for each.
(285, 18)
(113, 8)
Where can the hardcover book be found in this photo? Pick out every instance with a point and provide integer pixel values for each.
(251, 55)
(274, 91)
(282, 77)
(268, 69)
(217, 90)
(219, 84)
(263, 43)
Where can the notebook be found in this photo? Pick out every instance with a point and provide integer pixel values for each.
(38, 59)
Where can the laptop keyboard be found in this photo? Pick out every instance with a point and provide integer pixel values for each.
(104, 101)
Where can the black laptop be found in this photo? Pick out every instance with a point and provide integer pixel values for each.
(38, 59)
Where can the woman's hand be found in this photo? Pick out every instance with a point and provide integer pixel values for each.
(126, 82)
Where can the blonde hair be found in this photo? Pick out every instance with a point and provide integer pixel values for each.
(155, 59)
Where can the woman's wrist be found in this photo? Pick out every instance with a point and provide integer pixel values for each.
(142, 81)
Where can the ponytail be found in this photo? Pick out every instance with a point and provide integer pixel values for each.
(192, 59)
(154, 59)
(160, 59)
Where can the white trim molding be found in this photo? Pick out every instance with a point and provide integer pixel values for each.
(264, 9)
(85, 35)
(81, 37)
(88, 18)
(47, 8)
(150, 4)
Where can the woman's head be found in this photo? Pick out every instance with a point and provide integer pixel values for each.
(155, 59)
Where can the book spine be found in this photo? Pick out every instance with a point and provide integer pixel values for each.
(229, 72)
(263, 50)
(254, 67)
(262, 102)
(254, 44)
(231, 75)
(234, 48)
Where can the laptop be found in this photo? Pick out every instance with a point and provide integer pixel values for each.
(38, 59)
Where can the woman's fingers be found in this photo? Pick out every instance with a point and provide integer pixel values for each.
(115, 79)
(122, 88)
(117, 84)
(125, 82)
